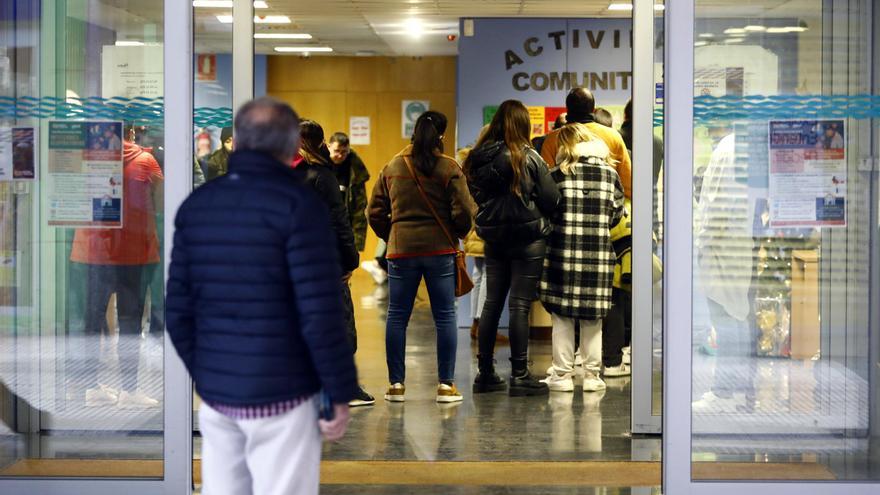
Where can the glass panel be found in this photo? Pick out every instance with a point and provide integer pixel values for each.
(782, 247)
(81, 280)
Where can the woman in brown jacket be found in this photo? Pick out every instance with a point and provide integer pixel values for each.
(418, 246)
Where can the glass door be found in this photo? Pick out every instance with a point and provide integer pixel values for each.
(90, 388)
(772, 248)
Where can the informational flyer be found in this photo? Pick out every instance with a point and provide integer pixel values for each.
(808, 173)
(359, 130)
(132, 71)
(410, 112)
(536, 118)
(17, 153)
(85, 174)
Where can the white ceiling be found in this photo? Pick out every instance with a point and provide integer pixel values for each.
(378, 27)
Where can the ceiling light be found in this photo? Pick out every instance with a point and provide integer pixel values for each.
(756, 28)
(225, 4)
(701, 43)
(620, 6)
(282, 36)
(707, 35)
(786, 29)
(414, 27)
(130, 43)
(796, 29)
(265, 19)
(303, 49)
(734, 40)
(734, 31)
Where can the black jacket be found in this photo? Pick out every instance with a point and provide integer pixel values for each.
(626, 133)
(504, 216)
(253, 305)
(322, 179)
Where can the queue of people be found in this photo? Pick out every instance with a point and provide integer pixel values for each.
(260, 309)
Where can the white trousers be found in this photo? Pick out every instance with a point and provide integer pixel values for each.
(563, 345)
(280, 455)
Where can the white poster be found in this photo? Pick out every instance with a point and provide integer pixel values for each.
(85, 174)
(410, 112)
(808, 173)
(132, 71)
(17, 153)
(359, 130)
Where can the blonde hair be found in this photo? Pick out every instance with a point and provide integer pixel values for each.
(577, 141)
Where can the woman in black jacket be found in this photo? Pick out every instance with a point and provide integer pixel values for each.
(314, 160)
(516, 195)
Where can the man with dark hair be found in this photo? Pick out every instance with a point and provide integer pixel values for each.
(603, 117)
(352, 175)
(255, 312)
(580, 105)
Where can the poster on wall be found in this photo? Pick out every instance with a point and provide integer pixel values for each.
(85, 174)
(17, 153)
(410, 112)
(808, 173)
(132, 71)
(206, 67)
(536, 118)
(359, 130)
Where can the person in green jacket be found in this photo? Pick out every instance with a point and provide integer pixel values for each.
(218, 161)
(352, 175)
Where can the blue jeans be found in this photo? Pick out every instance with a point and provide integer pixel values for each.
(404, 275)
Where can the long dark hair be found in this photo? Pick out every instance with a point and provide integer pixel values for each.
(511, 125)
(427, 140)
(312, 147)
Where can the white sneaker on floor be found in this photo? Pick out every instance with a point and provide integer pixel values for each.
(447, 394)
(372, 267)
(627, 355)
(560, 383)
(616, 371)
(100, 397)
(710, 403)
(593, 383)
(137, 400)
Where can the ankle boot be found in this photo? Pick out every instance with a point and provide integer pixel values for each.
(522, 383)
(487, 380)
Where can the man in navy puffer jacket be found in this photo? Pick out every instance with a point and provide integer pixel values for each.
(255, 312)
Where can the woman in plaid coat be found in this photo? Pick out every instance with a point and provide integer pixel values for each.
(579, 268)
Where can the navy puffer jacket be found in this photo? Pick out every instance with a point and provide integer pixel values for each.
(254, 306)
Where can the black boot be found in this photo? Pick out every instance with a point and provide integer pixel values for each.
(487, 380)
(522, 383)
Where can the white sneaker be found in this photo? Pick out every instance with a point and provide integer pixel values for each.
(100, 397)
(559, 383)
(395, 393)
(710, 403)
(372, 267)
(627, 355)
(593, 383)
(448, 394)
(137, 400)
(615, 371)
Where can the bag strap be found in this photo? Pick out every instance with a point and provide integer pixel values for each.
(428, 202)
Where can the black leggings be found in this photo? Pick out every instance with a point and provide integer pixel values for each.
(514, 269)
(614, 328)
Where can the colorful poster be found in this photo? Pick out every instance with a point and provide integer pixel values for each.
(206, 67)
(808, 173)
(410, 112)
(536, 117)
(550, 115)
(359, 130)
(17, 153)
(85, 174)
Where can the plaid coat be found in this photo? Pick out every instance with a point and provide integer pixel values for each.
(579, 267)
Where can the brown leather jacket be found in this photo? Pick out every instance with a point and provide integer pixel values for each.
(399, 215)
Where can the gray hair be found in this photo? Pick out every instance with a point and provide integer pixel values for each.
(267, 125)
